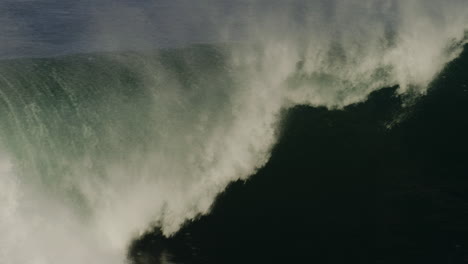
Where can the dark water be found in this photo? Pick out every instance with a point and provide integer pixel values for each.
(38, 28)
(341, 187)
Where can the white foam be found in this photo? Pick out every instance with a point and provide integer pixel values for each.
(205, 138)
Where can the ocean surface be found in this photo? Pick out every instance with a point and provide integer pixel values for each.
(210, 132)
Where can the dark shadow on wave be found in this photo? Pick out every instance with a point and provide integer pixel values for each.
(343, 188)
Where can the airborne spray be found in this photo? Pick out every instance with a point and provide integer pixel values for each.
(97, 149)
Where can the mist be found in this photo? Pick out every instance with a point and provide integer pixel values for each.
(142, 131)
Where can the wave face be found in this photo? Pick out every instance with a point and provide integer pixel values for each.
(97, 149)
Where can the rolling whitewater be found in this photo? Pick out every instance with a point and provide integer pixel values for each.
(315, 132)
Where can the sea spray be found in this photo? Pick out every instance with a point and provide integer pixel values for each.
(100, 148)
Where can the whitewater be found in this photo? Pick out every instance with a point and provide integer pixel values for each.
(98, 148)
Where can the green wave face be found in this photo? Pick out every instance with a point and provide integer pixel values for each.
(102, 138)
(98, 109)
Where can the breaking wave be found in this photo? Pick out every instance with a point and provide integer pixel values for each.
(99, 148)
